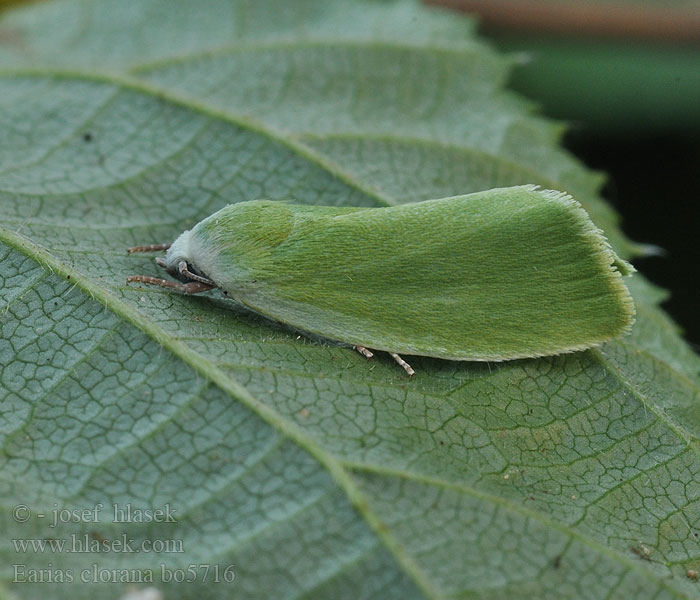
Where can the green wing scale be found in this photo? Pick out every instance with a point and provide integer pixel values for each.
(502, 274)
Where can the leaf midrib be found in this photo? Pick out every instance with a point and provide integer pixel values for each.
(512, 508)
(301, 149)
(615, 372)
(293, 142)
(457, 48)
(251, 125)
(234, 389)
(339, 469)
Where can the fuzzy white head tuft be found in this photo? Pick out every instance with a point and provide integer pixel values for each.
(179, 251)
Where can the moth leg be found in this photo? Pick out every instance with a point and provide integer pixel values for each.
(148, 248)
(362, 350)
(192, 287)
(403, 363)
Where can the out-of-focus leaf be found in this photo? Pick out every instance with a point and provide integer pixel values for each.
(617, 86)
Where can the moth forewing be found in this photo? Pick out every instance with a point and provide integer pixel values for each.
(497, 275)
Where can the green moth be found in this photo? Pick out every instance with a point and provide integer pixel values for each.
(497, 275)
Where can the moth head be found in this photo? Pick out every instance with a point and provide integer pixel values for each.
(179, 264)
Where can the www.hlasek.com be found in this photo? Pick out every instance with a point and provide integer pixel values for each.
(93, 542)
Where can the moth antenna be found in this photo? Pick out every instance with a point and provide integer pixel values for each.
(148, 248)
(182, 267)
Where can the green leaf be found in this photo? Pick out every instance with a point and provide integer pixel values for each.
(312, 472)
